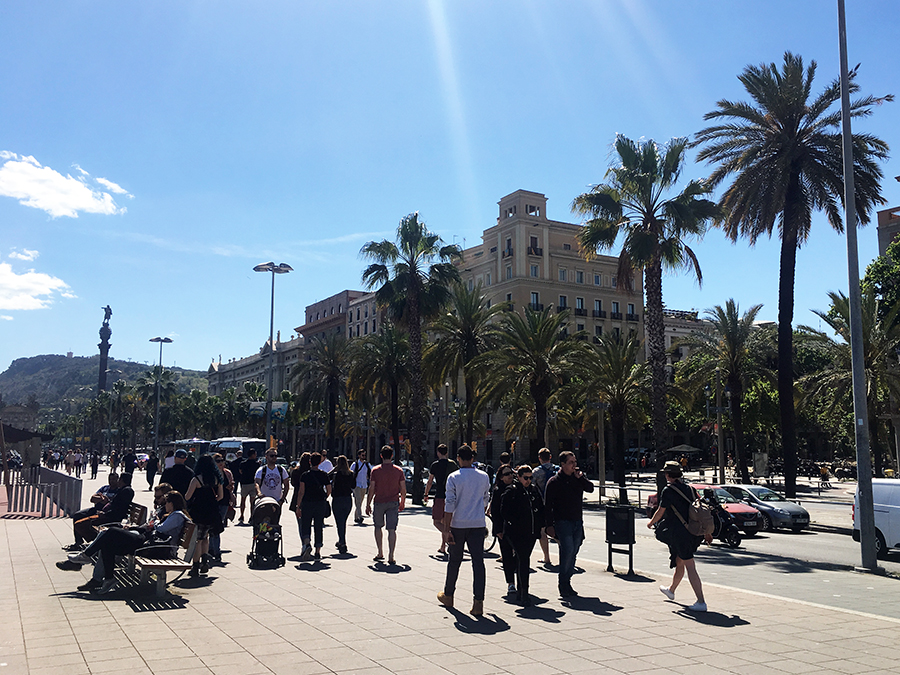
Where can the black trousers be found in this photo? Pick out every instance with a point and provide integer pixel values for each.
(80, 515)
(508, 559)
(523, 549)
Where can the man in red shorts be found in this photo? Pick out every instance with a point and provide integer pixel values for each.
(440, 469)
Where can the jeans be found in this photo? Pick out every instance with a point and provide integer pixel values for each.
(341, 507)
(473, 538)
(312, 514)
(569, 534)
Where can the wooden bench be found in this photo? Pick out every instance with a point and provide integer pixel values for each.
(159, 567)
(137, 514)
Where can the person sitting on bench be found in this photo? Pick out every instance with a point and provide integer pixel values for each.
(156, 539)
(114, 512)
(99, 499)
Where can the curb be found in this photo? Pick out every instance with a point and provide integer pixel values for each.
(833, 529)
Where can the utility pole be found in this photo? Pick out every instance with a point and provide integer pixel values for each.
(866, 505)
(720, 434)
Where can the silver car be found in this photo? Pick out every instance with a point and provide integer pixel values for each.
(776, 510)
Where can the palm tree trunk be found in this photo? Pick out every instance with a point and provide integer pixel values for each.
(332, 418)
(786, 354)
(470, 414)
(656, 356)
(875, 440)
(418, 393)
(540, 417)
(737, 416)
(617, 421)
(395, 417)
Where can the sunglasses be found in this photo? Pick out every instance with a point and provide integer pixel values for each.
(525, 477)
(220, 461)
(505, 475)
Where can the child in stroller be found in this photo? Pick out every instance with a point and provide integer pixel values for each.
(267, 549)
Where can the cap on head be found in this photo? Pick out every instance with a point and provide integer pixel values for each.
(180, 454)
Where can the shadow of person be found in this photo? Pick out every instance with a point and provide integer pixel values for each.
(582, 603)
(483, 625)
(713, 618)
(535, 612)
(634, 578)
(389, 569)
(344, 556)
(313, 566)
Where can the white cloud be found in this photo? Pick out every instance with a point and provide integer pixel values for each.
(25, 254)
(5, 318)
(40, 187)
(31, 290)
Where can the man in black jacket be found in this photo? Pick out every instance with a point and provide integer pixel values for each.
(564, 498)
(178, 475)
(114, 512)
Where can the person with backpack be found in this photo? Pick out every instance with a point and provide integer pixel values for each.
(542, 475)
(362, 472)
(674, 512)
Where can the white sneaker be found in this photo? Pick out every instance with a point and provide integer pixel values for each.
(666, 592)
(81, 559)
(511, 588)
(697, 607)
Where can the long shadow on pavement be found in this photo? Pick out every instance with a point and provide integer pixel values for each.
(478, 626)
(713, 618)
(588, 604)
(389, 569)
(743, 558)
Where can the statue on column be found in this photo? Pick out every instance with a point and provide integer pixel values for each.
(105, 334)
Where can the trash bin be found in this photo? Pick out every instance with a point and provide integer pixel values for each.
(619, 525)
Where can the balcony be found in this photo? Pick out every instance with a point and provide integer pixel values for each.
(580, 311)
(616, 316)
(631, 317)
(536, 306)
(534, 250)
(507, 253)
(599, 313)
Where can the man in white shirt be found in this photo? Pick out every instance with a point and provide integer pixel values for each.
(362, 470)
(468, 493)
(325, 465)
(273, 480)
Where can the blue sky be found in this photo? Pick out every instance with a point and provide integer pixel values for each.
(154, 152)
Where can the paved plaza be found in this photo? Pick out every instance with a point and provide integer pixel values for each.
(348, 614)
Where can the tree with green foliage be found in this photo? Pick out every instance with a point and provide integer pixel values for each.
(635, 202)
(321, 382)
(413, 276)
(784, 151)
(883, 279)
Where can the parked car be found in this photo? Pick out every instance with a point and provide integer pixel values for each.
(886, 496)
(776, 511)
(747, 518)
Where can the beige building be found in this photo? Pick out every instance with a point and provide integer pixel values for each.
(531, 261)
(19, 416)
(888, 228)
(328, 316)
(236, 372)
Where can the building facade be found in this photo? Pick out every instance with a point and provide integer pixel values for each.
(236, 372)
(888, 228)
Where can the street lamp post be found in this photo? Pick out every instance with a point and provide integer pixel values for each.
(281, 268)
(162, 341)
(109, 418)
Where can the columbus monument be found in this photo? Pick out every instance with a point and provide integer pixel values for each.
(105, 334)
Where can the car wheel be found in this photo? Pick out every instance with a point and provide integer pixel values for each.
(881, 549)
(733, 539)
(751, 531)
(766, 525)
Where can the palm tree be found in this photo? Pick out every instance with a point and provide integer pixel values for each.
(464, 332)
(254, 392)
(322, 380)
(881, 339)
(738, 350)
(380, 367)
(615, 378)
(532, 355)
(413, 277)
(784, 150)
(633, 202)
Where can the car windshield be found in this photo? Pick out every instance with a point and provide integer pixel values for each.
(725, 497)
(766, 495)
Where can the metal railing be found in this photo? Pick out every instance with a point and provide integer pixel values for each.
(40, 491)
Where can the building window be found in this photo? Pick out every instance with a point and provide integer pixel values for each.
(617, 334)
(615, 307)
(630, 308)
(488, 303)
(340, 307)
(488, 278)
(535, 272)
(579, 276)
(598, 330)
(509, 271)
(613, 282)
(579, 303)
(366, 311)
(471, 285)
(598, 305)
(357, 313)
(562, 274)
(598, 280)
(509, 297)
(563, 302)
(373, 324)
(366, 328)
(508, 243)
(579, 327)
(533, 242)
(535, 298)
(567, 247)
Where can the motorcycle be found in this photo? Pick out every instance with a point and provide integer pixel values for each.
(725, 528)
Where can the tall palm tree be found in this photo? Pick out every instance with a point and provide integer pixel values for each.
(614, 377)
(738, 350)
(533, 354)
(254, 392)
(634, 202)
(413, 276)
(462, 333)
(322, 380)
(379, 366)
(784, 150)
(881, 339)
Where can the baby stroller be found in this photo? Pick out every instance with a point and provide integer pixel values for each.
(267, 550)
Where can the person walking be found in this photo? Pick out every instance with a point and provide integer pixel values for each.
(203, 496)
(296, 473)
(440, 469)
(542, 476)
(675, 501)
(179, 476)
(522, 515)
(564, 510)
(151, 467)
(342, 485)
(468, 491)
(312, 505)
(362, 471)
(249, 467)
(504, 483)
(387, 488)
(227, 501)
(272, 480)
(95, 464)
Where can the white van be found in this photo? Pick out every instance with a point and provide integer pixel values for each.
(886, 497)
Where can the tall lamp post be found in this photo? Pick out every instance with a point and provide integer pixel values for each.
(162, 341)
(109, 419)
(281, 268)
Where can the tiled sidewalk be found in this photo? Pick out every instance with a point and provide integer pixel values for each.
(349, 615)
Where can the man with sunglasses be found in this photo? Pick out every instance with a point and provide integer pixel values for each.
(273, 480)
(564, 504)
